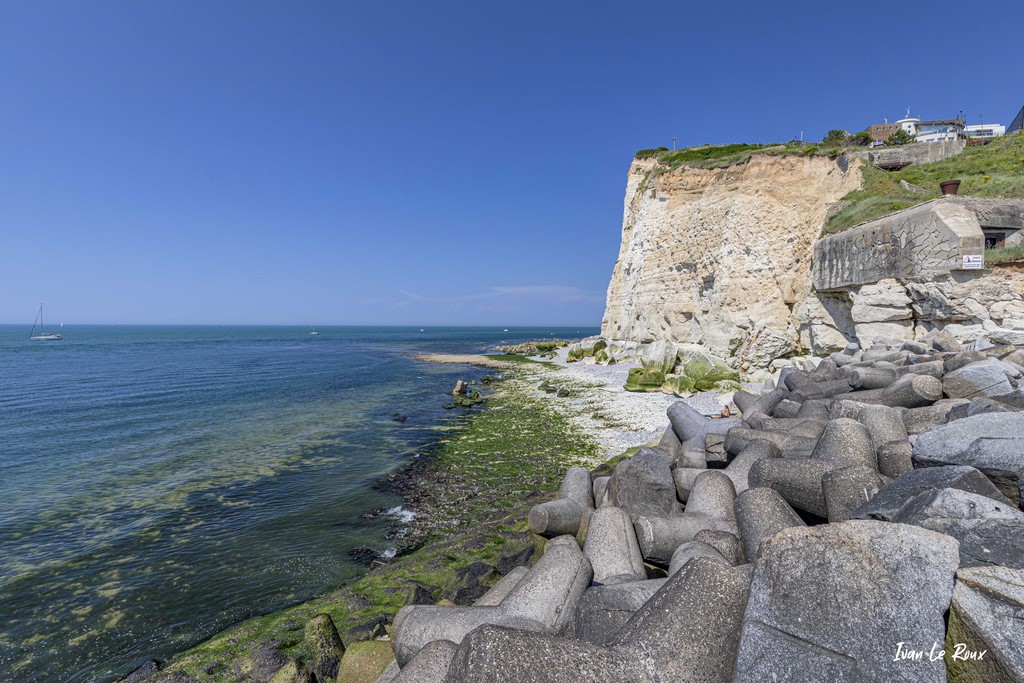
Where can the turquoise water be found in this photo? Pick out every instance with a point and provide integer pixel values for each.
(158, 484)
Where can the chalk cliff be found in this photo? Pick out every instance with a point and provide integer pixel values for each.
(721, 257)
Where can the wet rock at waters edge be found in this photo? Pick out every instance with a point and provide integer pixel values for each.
(141, 674)
(324, 647)
(363, 555)
(260, 661)
(460, 388)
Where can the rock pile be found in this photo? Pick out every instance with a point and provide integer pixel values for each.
(861, 522)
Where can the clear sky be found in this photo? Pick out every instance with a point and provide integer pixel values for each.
(413, 162)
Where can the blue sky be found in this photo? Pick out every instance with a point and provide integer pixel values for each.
(411, 162)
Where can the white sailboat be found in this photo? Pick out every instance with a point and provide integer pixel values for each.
(43, 334)
(312, 330)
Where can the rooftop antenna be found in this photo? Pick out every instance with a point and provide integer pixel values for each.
(908, 112)
(674, 144)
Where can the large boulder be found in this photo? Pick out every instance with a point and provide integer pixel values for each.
(992, 443)
(986, 378)
(659, 355)
(903, 491)
(987, 616)
(989, 532)
(839, 602)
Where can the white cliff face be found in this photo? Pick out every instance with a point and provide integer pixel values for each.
(721, 257)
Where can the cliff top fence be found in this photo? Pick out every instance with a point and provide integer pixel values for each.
(933, 238)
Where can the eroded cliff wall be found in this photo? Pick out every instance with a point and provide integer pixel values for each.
(721, 257)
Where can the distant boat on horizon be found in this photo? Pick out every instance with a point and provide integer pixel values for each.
(43, 334)
(312, 330)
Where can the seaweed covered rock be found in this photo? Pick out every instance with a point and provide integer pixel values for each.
(987, 616)
(324, 647)
(585, 348)
(706, 374)
(642, 379)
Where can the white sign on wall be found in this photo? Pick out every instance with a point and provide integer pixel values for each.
(973, 262)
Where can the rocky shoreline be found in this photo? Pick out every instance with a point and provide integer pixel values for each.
(861, 521)
(861, 514)
(462, 527)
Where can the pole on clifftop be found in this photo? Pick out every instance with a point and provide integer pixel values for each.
(674, 144)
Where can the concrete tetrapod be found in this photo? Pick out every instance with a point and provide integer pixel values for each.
(760, 513)
(844, 442)
(501, 589)
(847, 488)
(709, 506)
(603, 610)
(544, 600)
(430, 665)
(909, 391)
(565, 514)
(691, 424)
(737, 471)
(687, 632)
(691, 550)
(612, 548)
(884, 424)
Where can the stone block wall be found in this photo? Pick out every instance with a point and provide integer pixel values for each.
(926, 241)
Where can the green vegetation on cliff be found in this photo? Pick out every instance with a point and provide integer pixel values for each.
(472, 502)
(992, 170)
(720, 156)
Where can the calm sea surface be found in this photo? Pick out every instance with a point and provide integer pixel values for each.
(158, 484)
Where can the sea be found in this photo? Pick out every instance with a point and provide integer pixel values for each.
(161, 483)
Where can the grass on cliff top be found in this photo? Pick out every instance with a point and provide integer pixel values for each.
(721, 156)
(490, 471)
(992, 170)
